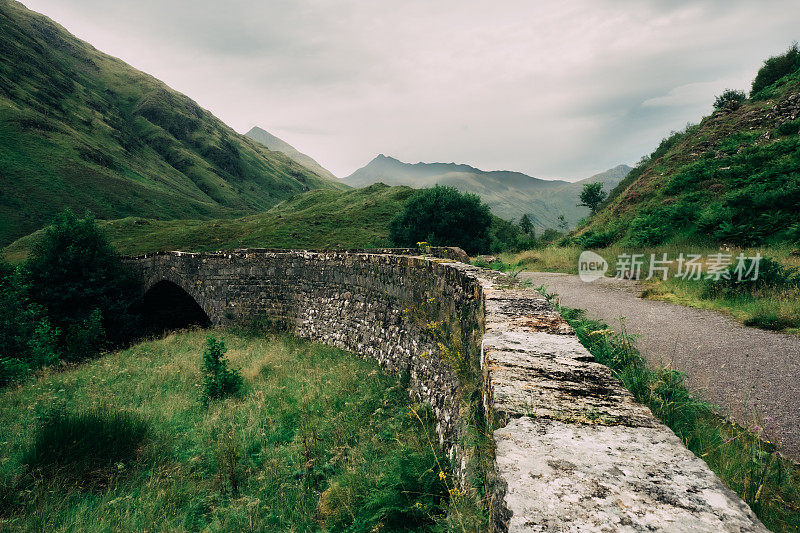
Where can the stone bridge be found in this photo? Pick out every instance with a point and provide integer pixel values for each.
(573, 451)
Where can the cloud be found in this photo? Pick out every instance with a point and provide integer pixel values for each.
(548, 88)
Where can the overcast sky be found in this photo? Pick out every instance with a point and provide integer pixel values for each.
(552, 89)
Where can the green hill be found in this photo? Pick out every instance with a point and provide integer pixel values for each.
(508, 194)
(81, 129)
(734, 178)
(357, 218)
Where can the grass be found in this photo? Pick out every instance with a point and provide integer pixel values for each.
(357, 218)
(776, 308)
(746, 459)
(320, 440)
(81, 129)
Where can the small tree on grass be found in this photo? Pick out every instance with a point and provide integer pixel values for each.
(220, 381)
(592, 196)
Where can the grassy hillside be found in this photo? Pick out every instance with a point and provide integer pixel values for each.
(734, 179)
(509, 194)
(356, 218)
(320, 440)
(279, 145)
(81, 129)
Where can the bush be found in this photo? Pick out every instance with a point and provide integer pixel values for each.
(595, 239)
(76, 275)
(772, 275)
(220, 381)
(442, 216)
(28, 340)
(730, 100)
(85, 448)
(789, 128)
(775, 68)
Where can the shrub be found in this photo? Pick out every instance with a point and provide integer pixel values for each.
(593, 239)
(730, 100)
(76, 275)
(442, 216)
(220, 381)
(775, 68)
(772, 275)
(85, 448)
(789, 128)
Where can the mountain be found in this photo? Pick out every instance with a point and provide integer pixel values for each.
(734, 178)
(81, 129)
(508, 194)
(279, 145)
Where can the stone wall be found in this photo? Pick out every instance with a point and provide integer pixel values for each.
(574, 451)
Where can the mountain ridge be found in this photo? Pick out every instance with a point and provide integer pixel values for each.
(277, 144)
(509, 194)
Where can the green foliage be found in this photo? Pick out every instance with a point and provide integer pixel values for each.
(220, 381)
(442, 216)
(526, 225)
(772, 275)
(507, 236)
(592, 195)
(729, 100)
(27, 338)
(791, 127)
(85, 448)
(76, 275)
(595, 239)
(775, 68)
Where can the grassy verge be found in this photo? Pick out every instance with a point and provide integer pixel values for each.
(746, 459)
(774, 308)
(319, 440)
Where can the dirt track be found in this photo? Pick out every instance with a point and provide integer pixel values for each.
(751, 374)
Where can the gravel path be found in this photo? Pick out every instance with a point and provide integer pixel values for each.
(751, 374)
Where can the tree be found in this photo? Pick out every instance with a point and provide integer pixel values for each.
(730, 100)
(592, 196)
(442, 216)
(563, 225)
(525, 224)
(76, 275)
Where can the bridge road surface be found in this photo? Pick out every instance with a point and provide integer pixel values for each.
(750, 374)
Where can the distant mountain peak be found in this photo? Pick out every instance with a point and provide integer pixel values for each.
(277, 144)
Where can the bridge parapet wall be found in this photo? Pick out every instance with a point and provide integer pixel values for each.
(573, 450)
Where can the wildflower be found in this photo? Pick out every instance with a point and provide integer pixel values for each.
(442, 475)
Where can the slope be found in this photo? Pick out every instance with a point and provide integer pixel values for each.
(321, 218)
(734, 178)
(279, 145)
(508, 194)
(81, 129)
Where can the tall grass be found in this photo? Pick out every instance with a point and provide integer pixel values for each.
(321, 441)
(746, 459)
